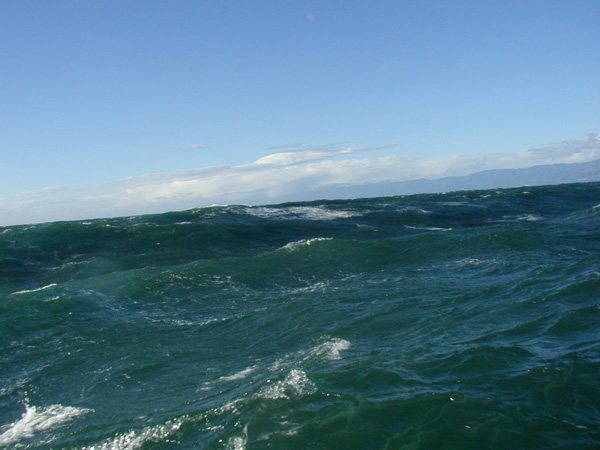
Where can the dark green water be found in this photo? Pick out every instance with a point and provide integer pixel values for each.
(455, 321)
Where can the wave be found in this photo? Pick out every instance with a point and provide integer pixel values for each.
(285, 381)
(295, 383)
(38, 419)
(296, 244)
(302, 212)
(135, 439)
(428, 228)
(341, 324)
(239, 375)
(330, 349)
(29, 291)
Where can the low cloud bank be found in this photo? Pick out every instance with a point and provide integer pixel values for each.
(278, 177)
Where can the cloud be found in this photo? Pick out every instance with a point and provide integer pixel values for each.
(277, 177)
(569, 151)
(305, 155)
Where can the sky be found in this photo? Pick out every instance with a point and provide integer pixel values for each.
(115, 108)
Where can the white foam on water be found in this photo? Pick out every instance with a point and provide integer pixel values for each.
(242, 374)
(529, 217)
(239, 375)
(521, 218)
(296, 244)
(331, 349)
(453, 203)
(414, 209)
(231, 407)
(470, 262)
(362, 226)
(135, 439)
(51, 285)
(427, 228)
(302, 212)
(238, 442)
(35, 420)
(321, 286)
(296, 382)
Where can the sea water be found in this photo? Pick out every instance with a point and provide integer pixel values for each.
(465, 320)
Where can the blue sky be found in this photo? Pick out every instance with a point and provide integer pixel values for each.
(96, 93)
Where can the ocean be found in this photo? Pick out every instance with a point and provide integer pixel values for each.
(464, 320)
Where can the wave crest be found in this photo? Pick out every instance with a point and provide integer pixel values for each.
(35, 420)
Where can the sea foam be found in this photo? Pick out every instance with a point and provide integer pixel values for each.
(296, 244)
(331, 349)
(35, 420)
(302, 212)
(296, 382)
(28, 291)
(135, 439)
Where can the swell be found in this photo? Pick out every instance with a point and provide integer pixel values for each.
(75, 250)
(462, 320)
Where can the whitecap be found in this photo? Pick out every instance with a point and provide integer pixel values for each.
(302, 212)
(321, 286)
(135, 439)
(296, 244)
(231, 407)
(37, 419)
(521, 218)
(331, 349)
(296, 382)
(453, 203)
(362, 226)
(238, 442)
(470, 262)
(529, 217)
(242, 374)
(413, 209)
(428, 228)
(238, 375)
(51, 285)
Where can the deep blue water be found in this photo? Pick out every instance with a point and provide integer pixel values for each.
(465, 320)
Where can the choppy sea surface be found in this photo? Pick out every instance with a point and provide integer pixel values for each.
(467, 320)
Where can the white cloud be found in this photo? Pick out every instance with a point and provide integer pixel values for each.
(273, 178)
(300, 156)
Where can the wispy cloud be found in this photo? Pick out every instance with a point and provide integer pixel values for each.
(304, 155)
(276, 177)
